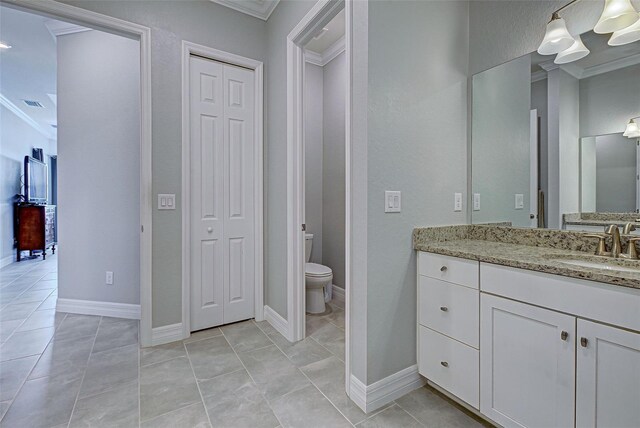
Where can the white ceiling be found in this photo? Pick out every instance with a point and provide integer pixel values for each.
(29, 67)
(258, 8)
(325, 39)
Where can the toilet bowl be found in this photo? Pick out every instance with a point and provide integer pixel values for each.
(317, 277)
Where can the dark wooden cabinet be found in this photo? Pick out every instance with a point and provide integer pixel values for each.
(35, 228)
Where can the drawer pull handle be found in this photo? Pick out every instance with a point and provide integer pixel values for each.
(444, 308)
(444, 364)
(583, 342)
(564, 335)
(443, 269)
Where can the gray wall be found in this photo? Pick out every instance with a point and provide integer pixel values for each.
(281, 22)
(417, 142)
(219, 27)
(501, 147)
(16, 141)
(333, 171)
(615, 174)
(99, 167)
(609, 100)
(313, 149)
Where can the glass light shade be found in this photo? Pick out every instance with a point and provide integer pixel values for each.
(575, 52)
(617, 15)
(556, 39)
(632, 130)
(627, 35)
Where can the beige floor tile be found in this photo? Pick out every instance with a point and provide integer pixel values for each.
(393, 417)
(212, 357)
(307, 407)
(165, 387)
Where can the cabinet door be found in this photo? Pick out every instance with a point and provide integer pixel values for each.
(608, 376)
(527, 364)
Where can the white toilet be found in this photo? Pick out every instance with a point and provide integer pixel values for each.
(316, 278)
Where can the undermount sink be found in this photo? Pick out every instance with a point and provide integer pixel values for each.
(603, 265)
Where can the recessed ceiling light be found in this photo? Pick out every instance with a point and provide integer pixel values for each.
(4, 45)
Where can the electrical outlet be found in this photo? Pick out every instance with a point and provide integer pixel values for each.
(476, 201)
(457, 202)
(109, 278)
(519, 201)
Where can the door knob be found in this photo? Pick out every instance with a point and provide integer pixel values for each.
(584, 342)
(444, 364)
(443, 269)
(209, 229)
(444, 308)
(564, 335)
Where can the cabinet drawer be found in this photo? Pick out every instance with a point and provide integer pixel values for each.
(450, 269)
(450, 309)
(450, 364)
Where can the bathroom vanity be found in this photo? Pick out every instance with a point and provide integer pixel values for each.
(527, 334)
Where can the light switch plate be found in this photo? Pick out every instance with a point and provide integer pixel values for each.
(476, 201)
(166, 201)
(392, 201)
(108, 278)
(519, 201)
(457, 202)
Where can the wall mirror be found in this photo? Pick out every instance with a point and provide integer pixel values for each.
(550, 140)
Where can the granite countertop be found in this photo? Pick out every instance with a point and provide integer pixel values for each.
(602, 219)
(530, 257)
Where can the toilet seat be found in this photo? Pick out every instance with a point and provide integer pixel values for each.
(317, 271)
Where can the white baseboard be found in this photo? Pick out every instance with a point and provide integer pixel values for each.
(166, 334)
(105, 309)
(338, 293)
(276, 321)
(374, 396)
(6, 261)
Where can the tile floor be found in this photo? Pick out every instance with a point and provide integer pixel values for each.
(83, 371)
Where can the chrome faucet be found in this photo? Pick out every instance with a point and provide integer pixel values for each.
(616, 246)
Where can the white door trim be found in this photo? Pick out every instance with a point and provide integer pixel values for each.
(110, 24)
(319, 15)
(188, 49)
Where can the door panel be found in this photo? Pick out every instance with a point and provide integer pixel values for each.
(207, 252)
(238, 193)
(526, 364)
(608, 377)
(222, 192)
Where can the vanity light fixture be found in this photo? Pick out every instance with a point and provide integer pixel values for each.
(627, 35)
(574, 53)
(617, 15)
(557, 37)
(632, 130)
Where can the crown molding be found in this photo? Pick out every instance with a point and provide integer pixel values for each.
(261, 9)
(329, 54)
(610, 66)
(25, 117)
(549, 65)
(538, 76)
(59, 28)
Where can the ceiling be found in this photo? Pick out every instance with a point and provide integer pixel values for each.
(258, 8)
(335, 30)
(29, 67)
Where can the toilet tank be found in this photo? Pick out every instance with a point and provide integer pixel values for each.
(308, 242)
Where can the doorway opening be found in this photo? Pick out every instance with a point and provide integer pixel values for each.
(303, 136)
(120, 120)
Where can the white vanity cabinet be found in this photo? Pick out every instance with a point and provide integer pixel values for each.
(448, 320)
(608, 376)
(530, 349)
(527, 360)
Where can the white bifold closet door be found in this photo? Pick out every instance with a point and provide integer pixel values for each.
(222, 193)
